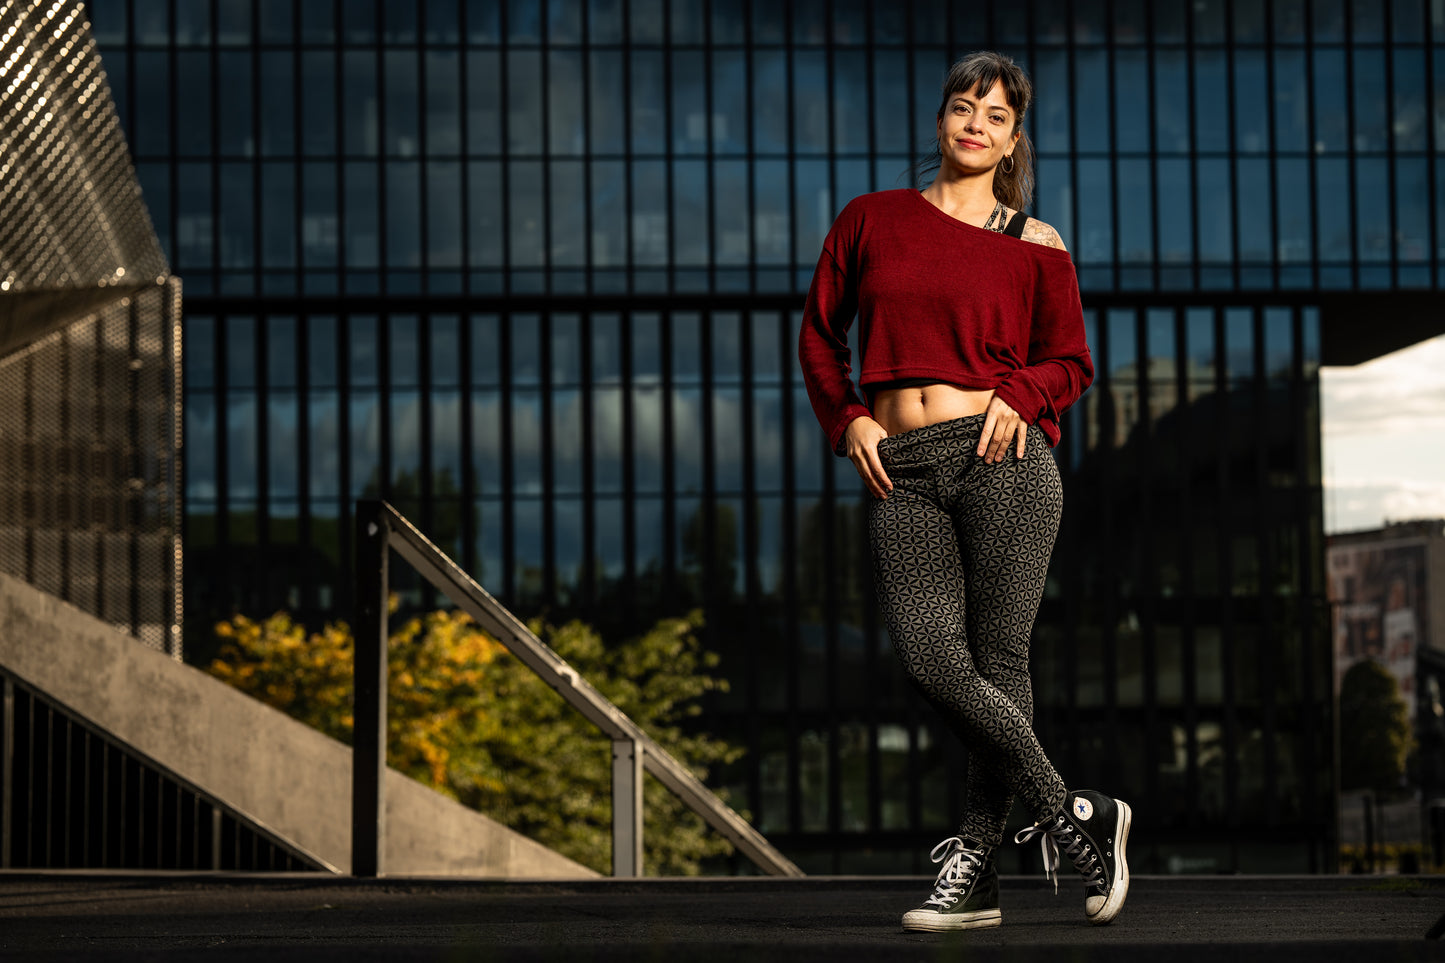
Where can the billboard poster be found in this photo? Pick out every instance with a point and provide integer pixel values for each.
(1378, 594)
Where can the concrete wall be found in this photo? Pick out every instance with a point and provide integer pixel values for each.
(283, 775)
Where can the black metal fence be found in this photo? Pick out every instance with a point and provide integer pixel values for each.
(73, 797)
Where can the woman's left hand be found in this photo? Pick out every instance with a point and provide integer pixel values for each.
(1002, 426)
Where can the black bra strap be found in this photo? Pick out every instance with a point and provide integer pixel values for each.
(1015, 226)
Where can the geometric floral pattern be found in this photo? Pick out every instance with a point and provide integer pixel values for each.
(960, 551)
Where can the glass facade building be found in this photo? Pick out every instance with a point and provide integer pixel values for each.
(533, 272)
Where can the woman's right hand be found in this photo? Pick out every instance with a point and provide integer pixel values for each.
(860, 444)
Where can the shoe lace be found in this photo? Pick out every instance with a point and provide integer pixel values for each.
(960, 865)
(1057, 832)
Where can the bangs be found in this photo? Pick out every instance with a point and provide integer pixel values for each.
(980, 72)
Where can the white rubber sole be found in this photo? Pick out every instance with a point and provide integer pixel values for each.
(1119, 888)
(948, 922)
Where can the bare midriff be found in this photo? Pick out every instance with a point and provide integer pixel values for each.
(904, 409)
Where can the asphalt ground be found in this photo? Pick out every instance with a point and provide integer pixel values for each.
(1221, 919)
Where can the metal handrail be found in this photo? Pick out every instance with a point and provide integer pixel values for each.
(380, 528)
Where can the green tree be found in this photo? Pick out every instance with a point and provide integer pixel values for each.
(1374, 729)
(470, 720)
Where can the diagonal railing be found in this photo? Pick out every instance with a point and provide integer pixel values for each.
(381, 529)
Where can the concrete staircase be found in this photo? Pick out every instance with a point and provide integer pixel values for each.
(287, 778)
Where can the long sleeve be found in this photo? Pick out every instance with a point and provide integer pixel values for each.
(1058, 367)
(823, 341)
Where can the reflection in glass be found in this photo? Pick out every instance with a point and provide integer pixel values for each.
(404, 434)
(242, 448)
(318, 215)
(193, 104)
(607, 440)
(525, 455)
(489, 467)
(567, 452)
(283, 445)
(688, 92)
(201, 440)
(647, 445)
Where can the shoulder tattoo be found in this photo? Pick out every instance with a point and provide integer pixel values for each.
(1040, 233)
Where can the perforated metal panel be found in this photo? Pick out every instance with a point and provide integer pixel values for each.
(89, 340)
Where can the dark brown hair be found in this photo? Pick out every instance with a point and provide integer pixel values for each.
(980, 71)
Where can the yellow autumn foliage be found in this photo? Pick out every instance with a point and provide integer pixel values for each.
(467, 718)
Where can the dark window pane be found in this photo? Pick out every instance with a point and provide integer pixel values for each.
(443, 104)
(525, 185)
(1215, 221)
(1372, 102)
(281, 351)
(569, 214)
(1331, 103)
(362, 350)
(237, 137)
(444, 215)
(488, 233)
(403, 214)
(321, 351)
(1251, 110)
(1176, 221)
(1332, 183)
(318, 102)
(770, 111)
(609, 214)
(690, 119)
(242, 449)
(238, 214)
(363, 230)
(402, 108)
(1171, 101)
(1131, 100)
(359, 114)
(233, 22)
(1291, 101)
(890, 101)
(318, 215)
(446, 351)
(152, 103)
(1295, 214)
(484, 116)
(194, 223)
(283, 447)
(403, 350)
(278, 104)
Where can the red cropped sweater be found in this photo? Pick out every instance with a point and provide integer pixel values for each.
(938, 298)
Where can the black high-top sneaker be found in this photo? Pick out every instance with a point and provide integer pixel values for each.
(1092, 832)
(965, 895)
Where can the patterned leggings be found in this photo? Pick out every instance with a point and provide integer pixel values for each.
(960, 551)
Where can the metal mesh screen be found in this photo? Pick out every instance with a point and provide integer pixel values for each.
(89, 421)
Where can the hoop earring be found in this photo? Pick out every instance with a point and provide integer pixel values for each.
(1010, 168)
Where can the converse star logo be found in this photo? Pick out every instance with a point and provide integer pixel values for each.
(1083, 808)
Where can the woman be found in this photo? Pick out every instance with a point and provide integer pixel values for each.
(971, 344)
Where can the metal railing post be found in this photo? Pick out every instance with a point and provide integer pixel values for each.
(7, 765)
(368, 758)
(627, 756)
